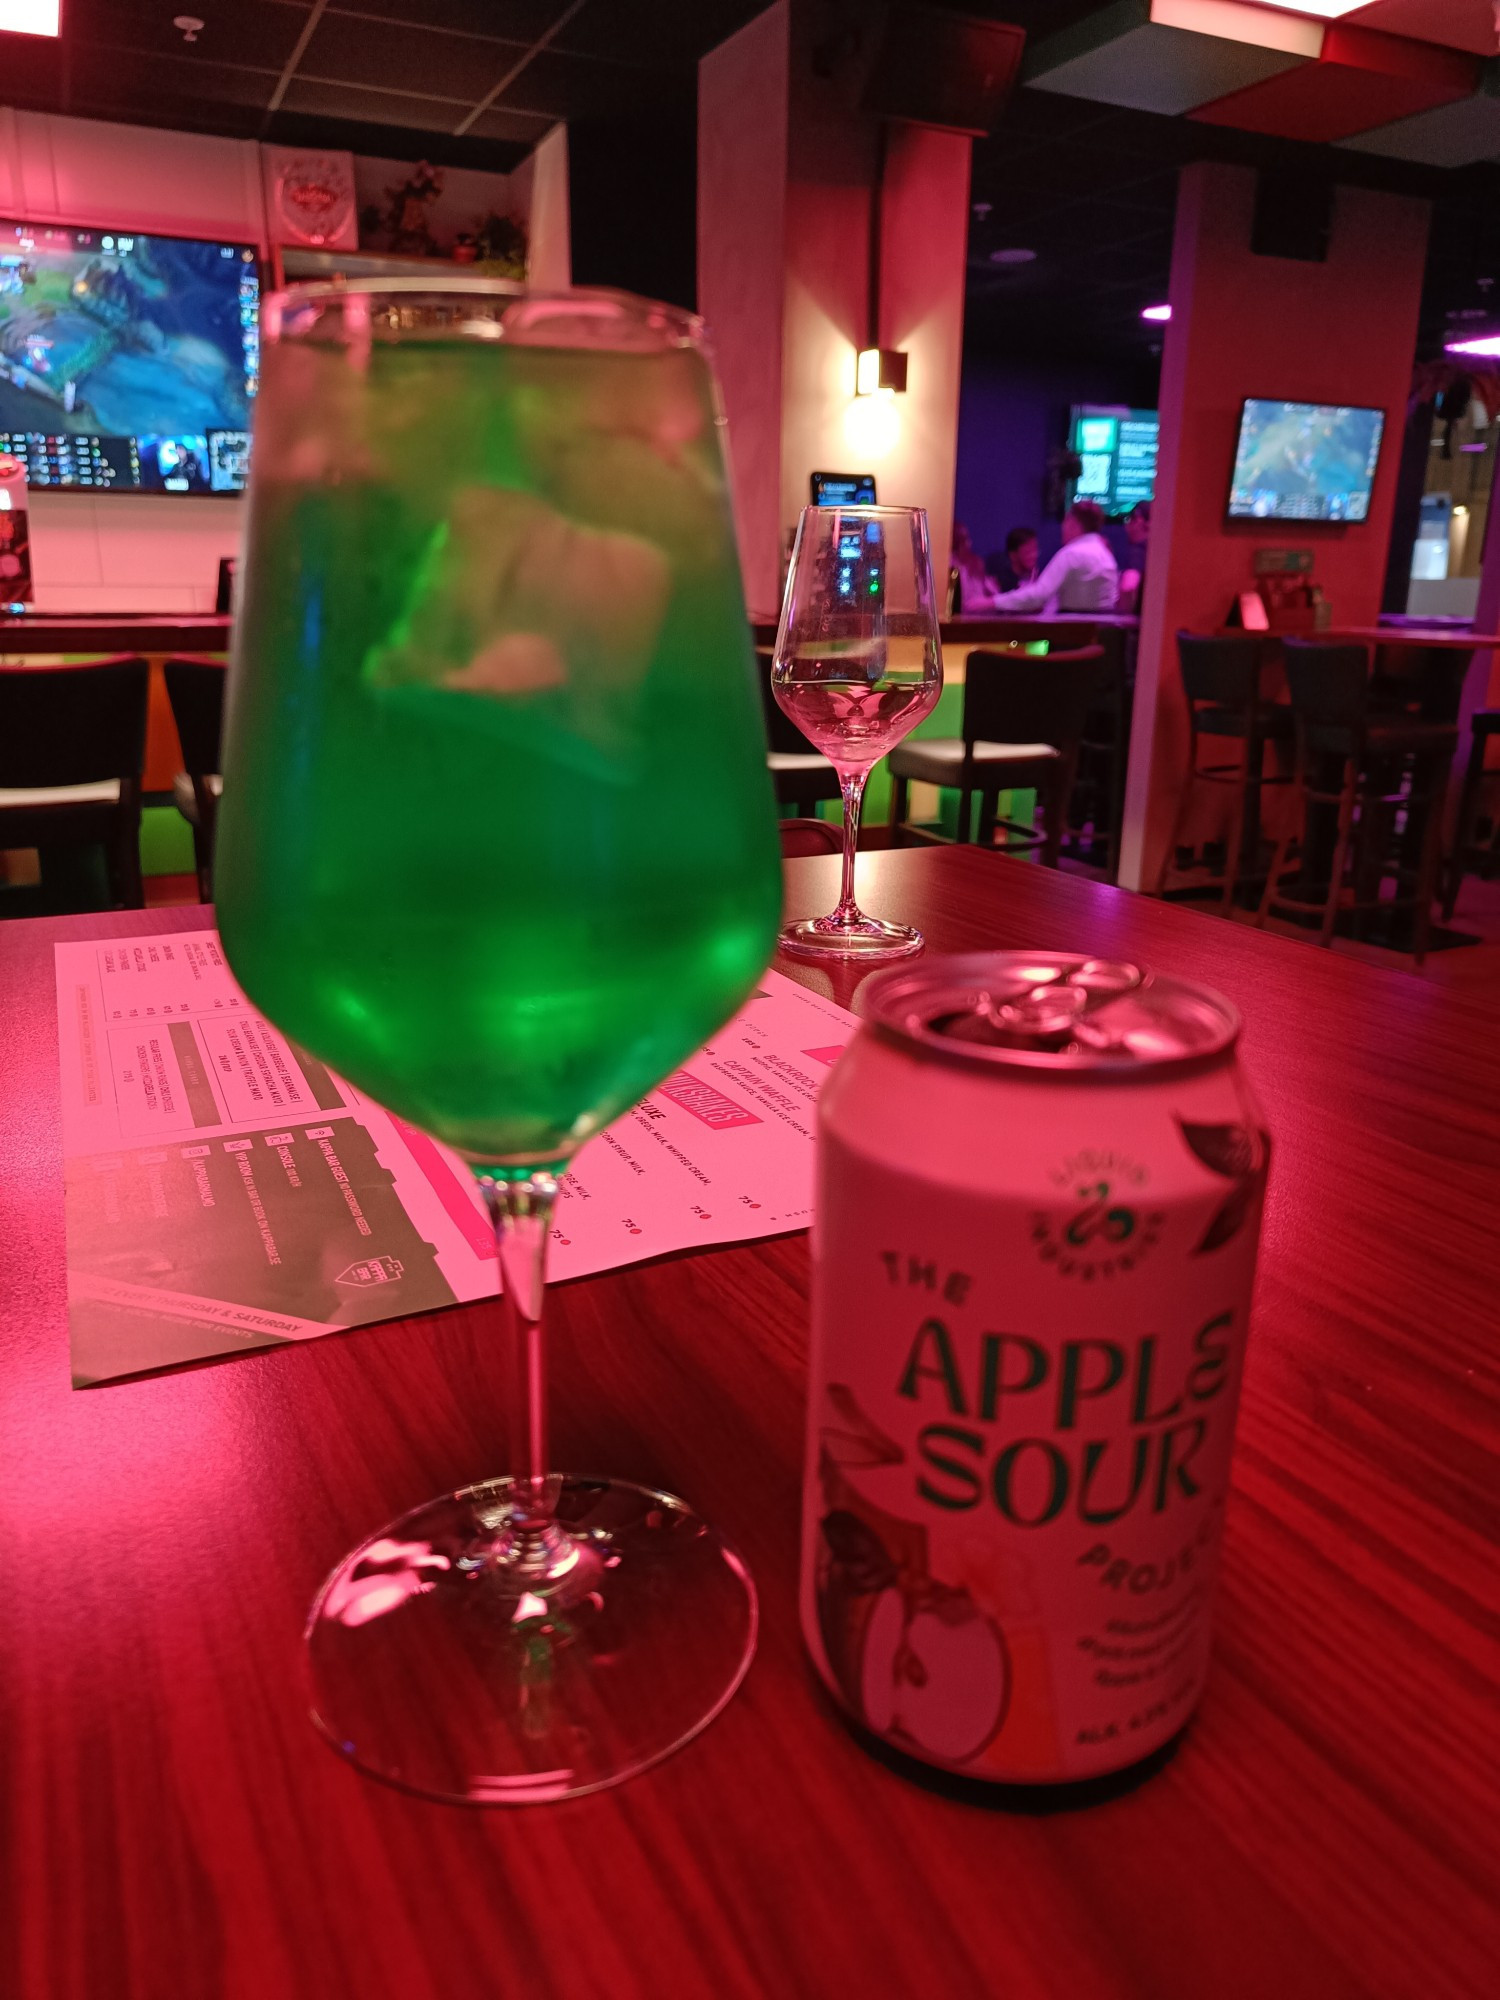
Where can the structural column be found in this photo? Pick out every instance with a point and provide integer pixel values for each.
(820, 233)
(1341, 331)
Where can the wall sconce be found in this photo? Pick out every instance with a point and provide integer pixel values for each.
(880, 368)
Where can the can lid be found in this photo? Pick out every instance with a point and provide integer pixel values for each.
(1057, 1011)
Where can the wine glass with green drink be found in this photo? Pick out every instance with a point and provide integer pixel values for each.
(498, 843)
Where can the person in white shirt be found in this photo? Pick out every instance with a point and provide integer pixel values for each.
(1082, 576)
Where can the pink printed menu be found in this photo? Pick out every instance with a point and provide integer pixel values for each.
(225, 1191)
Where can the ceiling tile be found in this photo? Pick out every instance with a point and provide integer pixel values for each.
(526, 127)
(1361, 80)
(1124, 56)
(1449, 135)
(1456, 24)
(386, 55)
(34, 71)
(147, 82)
(324, 98)
(505, 20)
(261, 33)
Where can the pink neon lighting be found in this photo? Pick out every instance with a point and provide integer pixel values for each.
(1488, 344)
(1156, 312)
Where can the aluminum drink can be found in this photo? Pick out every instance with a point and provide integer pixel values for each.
(1039, 1189)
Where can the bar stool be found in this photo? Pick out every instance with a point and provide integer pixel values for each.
(1098, 800)
(72, 748)
(1370, 763)
(800, 772)
(195, 688)
(1221, 679)
(1468, 850)
(1022, 723)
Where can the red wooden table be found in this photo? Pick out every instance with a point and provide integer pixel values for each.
(171, 1828)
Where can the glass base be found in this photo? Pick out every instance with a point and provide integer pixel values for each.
(464, 1662)
(865, 937)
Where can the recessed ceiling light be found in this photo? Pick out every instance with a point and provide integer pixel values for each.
(1013, 256)
(30, 17)
(1156, 312)
(1322, 10)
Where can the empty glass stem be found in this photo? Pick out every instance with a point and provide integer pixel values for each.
(852, 790)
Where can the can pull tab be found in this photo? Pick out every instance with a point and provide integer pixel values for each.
(1045, 1011)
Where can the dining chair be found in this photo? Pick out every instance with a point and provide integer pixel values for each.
(72, 749)
(801, 837)
(1372, 764)
(1221, 681)
(195, 688)
(800, 772)
(1023, 719)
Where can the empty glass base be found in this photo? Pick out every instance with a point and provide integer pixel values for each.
(461, 1662)
(864, 937)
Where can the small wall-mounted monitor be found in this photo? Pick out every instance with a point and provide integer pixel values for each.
(1304, 461)
(843, 489)
(128, 363)
(1116, 449)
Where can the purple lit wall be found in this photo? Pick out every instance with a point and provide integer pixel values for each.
(1011, 414)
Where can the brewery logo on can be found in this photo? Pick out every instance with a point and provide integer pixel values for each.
(1039, 1190)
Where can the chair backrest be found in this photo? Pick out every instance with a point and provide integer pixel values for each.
(73, 725)
(809, 836)
(195, 689)
(782, 734)
(1029, 697)
(1223, 671)
(1328, 684)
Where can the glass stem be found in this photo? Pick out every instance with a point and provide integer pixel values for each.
(520, 1208)
(852, 789)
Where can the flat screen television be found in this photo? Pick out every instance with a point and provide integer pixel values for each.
(1304, 461)
(128, 363)
(843, 489)
(1116, 449)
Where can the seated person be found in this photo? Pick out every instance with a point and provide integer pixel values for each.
(1020, 563)
(973, 585)
(1138, 534)
(1082, 576)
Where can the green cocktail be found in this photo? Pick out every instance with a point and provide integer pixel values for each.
(496, 840)
(498, 843)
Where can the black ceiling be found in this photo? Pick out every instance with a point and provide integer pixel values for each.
(1093, 190)
(476, 82)
(463, 82)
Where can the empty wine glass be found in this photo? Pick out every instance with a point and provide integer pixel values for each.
(857, 666)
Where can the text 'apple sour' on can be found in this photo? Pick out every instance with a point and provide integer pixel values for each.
(1039, 1193)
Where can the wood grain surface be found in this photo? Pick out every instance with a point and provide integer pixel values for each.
(171, 1828)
